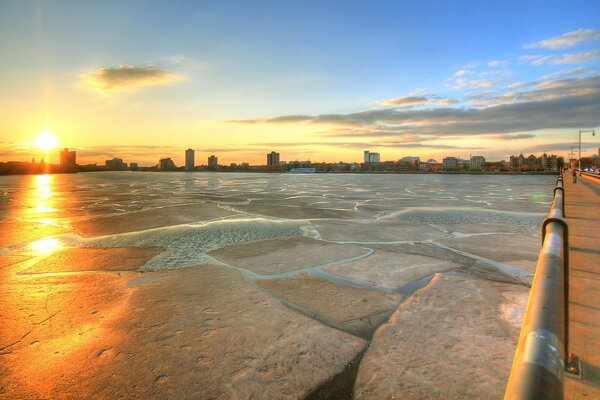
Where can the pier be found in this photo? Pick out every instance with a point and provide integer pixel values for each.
(558, 352)
(582, 204)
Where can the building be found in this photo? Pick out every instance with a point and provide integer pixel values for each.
(68, 158)
(133, 166)
(190, 158)
(116, 164)
(409, 163)
(477, 162)
(531, 163)
(371, 157)
(272, 159)
(213, 162)
(548, 162)
(545, 162)
(450, 164)
(166, 164)
(411, 159)
(517, 162)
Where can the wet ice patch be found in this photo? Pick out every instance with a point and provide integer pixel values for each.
(187, 245)
(465, 216)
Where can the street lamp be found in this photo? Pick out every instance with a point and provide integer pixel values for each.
(580, 132)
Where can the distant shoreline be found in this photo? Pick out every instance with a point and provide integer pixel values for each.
(2, 173)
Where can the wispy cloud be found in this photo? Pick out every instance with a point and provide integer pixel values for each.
(521, 85)
(558, 147)
(476, 83)
(362, 145)
(567, 40)
(407, 101)
(569, 58)
(128, 78)
(480, 94)
(541, 91)
(415, 100)
(579, 71)
(497, 63)
(517, 136)
(549, 105)
(462, 72)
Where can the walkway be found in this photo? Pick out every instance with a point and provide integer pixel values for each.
(582, 209)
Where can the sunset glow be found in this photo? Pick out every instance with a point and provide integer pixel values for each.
(430, 80)
(46, 141)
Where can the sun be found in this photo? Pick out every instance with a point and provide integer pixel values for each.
(46, 141)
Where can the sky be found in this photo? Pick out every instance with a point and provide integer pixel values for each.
(313, 80)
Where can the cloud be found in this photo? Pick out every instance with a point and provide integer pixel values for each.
(542, 91)
(565, 74)
(579, 57)
(362, 145)
(413, 100)
(480, 94)
(521, 85)
(128, 78)
(461, 83)
(462, 72)
(517, 136)
(569, 58)
(407, 101)
(562, 104)
(536, 59)
(559, 146)
(497, 63)
(127, 151)
(569, 39)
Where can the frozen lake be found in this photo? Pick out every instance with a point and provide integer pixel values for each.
(330, 285)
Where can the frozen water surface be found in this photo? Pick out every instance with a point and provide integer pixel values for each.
(389, 257)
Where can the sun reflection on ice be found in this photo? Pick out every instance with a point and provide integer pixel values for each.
(45, 246)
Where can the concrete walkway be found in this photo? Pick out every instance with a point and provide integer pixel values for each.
(582, 209)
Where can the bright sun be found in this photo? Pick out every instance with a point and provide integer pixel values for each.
(46, 141)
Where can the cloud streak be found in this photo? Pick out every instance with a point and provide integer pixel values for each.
(567, 40)
(128, 78)
(414, 100)
(569, 58)
(560, 104)
(362, 145)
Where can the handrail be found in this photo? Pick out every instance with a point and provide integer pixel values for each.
(597, 176)
(539, 364)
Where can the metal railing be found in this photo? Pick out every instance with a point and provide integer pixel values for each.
(583, 173)
(539, 364)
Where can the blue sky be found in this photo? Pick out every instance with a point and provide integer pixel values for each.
(202, 63)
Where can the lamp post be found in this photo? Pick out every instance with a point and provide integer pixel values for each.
(580, 132)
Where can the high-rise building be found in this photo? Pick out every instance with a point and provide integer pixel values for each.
(477, 162)
(371, 157)
(213, 162)
(166, 164)
(190, 156)
(68, 158)
(273, 158)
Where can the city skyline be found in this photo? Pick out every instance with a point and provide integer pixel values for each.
(319, 82)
